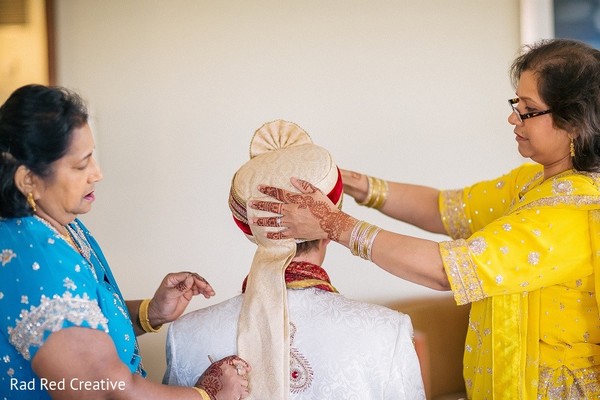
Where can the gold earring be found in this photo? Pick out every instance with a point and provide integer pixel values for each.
(31, 201)
(572, 147)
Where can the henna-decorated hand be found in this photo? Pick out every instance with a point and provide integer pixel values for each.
(306, 215)
(226, 379)
(174, 294)
(355, 184)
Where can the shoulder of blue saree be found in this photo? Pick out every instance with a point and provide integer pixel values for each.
(44, 286)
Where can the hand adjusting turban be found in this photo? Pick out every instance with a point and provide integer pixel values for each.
(279, 150)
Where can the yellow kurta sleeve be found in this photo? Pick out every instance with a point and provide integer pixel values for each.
(519, 252)
(465, 211)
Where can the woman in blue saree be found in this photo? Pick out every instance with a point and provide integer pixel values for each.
(66, 331)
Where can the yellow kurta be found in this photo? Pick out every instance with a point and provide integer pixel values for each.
(526, 255)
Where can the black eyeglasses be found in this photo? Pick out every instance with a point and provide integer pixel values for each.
(513, 105)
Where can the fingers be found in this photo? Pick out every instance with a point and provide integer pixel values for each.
(184, 282)
(226, 378)
(347, 174)
(304, 186)
(277, 235)
(285, 196)
(270, 222)
(239, 368)
(242, 369)
(235, 361)
(190, 282)
(268, 206)
(277, 193)
(201, 285)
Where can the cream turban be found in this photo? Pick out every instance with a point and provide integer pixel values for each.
(279, 150)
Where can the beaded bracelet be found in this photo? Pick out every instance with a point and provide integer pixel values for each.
(203, 393)
(377, 193)
(361, 239)
(143, 317)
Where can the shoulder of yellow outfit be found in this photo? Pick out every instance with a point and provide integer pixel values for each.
(144, 320)
(202, 392)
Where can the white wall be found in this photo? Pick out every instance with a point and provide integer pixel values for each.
(408, 90)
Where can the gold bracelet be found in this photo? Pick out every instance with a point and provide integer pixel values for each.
(377, 193)
(203, 394)
(143, 317)
(353, 244)
(367, 244)
(362, 238)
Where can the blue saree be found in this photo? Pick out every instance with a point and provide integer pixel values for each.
(46, 286)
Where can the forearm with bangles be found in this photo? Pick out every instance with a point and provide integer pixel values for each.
(377, 193)
(361, 239)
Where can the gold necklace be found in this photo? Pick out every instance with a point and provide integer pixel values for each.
(69, 240)
(74, 235)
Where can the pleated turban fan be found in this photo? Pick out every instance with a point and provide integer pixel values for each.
(279, 150)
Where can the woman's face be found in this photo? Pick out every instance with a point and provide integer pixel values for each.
(69, 190)
(537, 137)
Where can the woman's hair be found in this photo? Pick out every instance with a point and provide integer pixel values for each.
(568, 75)
(36, 126)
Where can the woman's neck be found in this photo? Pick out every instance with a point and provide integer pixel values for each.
(558, 167)
(60, 228)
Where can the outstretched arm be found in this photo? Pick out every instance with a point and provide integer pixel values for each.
(170, 299)
(413, 204)
(311, 215)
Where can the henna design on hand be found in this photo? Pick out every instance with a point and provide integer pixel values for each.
(210, 380)
(308, 187)
(303, 201)
(271, 222)
(334, 223)
(268, 206)
(181, 286)
(273, 192)
(276, 235)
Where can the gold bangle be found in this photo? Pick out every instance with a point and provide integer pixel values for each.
(143, 317)
(367, 244)
(353, 244)
(203, 394)
(377, 193)
(362, 238)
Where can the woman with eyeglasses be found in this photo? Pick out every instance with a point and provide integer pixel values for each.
(524, 248)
